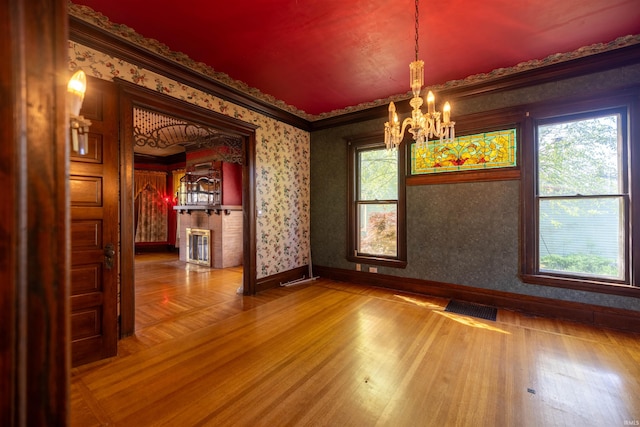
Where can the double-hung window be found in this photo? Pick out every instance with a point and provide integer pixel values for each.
(376, 203)
(578, 214)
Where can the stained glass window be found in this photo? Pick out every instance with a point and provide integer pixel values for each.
(470, 152)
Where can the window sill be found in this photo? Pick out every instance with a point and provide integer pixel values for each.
(582, 285)
(385, 262)
(464, 176)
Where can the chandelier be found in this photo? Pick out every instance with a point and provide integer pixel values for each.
(423, 126)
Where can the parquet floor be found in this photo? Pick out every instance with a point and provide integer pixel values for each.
(335, 354)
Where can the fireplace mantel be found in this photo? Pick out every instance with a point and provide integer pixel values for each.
(208, 209)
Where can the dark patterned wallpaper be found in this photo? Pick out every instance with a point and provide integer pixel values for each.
(465, 233)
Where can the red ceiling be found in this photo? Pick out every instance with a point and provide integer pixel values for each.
(323, 55)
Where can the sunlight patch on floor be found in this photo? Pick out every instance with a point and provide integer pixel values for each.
(467, 321)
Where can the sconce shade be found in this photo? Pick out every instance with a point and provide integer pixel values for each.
(75, 92)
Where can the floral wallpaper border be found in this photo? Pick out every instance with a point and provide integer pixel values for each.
(122, 31)
(282, 161)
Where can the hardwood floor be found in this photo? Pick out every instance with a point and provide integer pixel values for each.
(337, 354)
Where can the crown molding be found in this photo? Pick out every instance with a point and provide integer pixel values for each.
(94, 30)
(597, 58)
(105, 41)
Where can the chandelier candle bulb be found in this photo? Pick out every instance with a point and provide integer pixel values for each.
(392, 113)
(446, 112)
(431, 103)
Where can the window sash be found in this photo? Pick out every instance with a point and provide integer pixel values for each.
(394, 251)
(374, 237)
(373, 240)
(553, 181)
(592, 245)
(530, 269)
(384, 182)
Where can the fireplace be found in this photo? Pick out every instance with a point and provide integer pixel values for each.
(199, 246)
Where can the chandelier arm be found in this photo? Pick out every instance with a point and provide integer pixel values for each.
(405, 124)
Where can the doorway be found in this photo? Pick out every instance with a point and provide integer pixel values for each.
(133, 97)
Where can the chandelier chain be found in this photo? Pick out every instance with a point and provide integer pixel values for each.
(417, 25)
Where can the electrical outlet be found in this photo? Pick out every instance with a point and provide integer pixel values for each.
(373, 269)
(358, 267)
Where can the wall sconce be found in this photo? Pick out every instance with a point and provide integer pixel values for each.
(78, 124)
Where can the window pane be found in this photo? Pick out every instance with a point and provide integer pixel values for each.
(582, 236)
(378, 174)
(579, 157)
(378, 229)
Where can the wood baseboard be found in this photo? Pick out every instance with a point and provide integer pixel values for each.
(278, 279)
(154, 247)
(607, 317)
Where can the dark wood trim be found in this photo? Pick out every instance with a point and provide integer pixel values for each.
(249, 247)
(383, 262)
(152, 247)
(132, 95)
(127, 224)
(465, 176)
(47, 160)
(96, 38)
(608, 317)
(278, 279)
(171, 160)
(490, 121)
(577, 67)
(34, 249)
(378, 112)
(634, 186)
(13, 302)
(609, 60)
(581, 284)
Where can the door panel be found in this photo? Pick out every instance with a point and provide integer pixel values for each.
(86, 190)
(93, 185)
(86, 235)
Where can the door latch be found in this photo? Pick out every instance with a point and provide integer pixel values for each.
(109, 254)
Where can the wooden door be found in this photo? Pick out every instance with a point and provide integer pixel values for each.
(93, 184)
